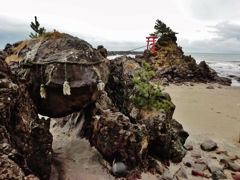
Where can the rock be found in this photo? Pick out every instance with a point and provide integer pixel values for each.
(9, 169)
(222, 152)
(119, 169)
(167, 175)
(196, 155)
(31, 177)
(208, 145)
(238, 79)
(218, 175)
(118, 131)
(199, 166)
(232, 76)
(188, 147)
(157, 165)
(102, 50)
(181, 173)
(64, 73)
(229, 164)
(210, 87)
(236, 176)
(171, 63)
(7, 46)
(214, 168)
(196, 172)
(25, 140)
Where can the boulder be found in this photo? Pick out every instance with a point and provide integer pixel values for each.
(64, 73)
(102, 50)
(209, 145)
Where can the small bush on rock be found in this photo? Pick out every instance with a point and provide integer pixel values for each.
(148, 95)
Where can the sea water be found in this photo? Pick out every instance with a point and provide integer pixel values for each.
(226, 65)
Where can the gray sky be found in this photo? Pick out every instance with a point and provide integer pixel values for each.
(203, 25)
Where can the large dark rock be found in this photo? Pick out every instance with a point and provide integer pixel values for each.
(172, 66)
(122, 133)
(47, 63)
(25, 140)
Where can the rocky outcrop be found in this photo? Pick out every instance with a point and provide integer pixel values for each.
(122, 133)
(172, 66)
(102, 50)
(63, 73)
(25, 140)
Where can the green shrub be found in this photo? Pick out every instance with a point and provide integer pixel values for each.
(39, 31)
(147, 95)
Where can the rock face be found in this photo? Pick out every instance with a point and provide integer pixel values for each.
(25, 140)
(56, 65)
(172, 66)
(120, 132)
(62, 74)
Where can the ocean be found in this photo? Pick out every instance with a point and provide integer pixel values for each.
(226, 65)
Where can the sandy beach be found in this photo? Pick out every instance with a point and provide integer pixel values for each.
(212, 113)
(204, 113)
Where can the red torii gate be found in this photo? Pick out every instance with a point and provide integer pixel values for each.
(151, 39)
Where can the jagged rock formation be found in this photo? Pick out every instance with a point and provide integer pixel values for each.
(122, 133)
(102, 50)
(25, 140)
(49, 63)
(172, 66)
(110, 121)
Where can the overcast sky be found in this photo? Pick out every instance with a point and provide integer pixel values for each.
(203, 25)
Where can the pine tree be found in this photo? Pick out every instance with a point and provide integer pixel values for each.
(164, 33)
(36, 28)
(147, 95)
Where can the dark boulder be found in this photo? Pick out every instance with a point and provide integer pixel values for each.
(64, 73)
(102, 50)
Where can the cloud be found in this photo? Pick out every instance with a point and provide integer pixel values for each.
(225, 38)
(211, 11)
(227, 30)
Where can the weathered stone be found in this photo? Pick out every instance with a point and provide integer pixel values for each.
(210, 87)
(25, 140)
(219, 174)
(170, 63)
(209, 145)
(181, 173)
(229, 164)
(102, 50)
(9, 169)
(47, 64)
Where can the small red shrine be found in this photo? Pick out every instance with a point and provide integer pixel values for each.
(151, 39)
